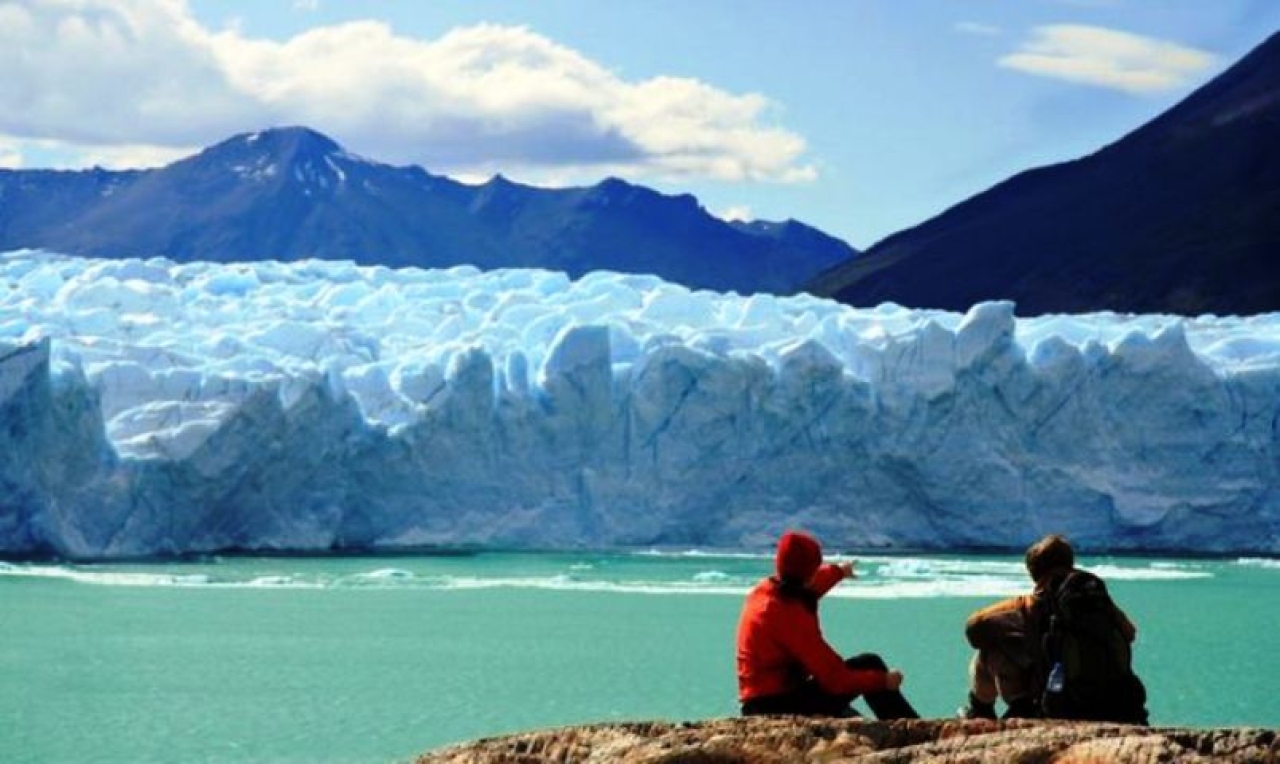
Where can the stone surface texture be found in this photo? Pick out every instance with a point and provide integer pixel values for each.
(770, 740)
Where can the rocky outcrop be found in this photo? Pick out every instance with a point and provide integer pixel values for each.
(770, 740)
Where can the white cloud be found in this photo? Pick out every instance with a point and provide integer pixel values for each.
(476, 100)
(978, 28)
(1108, 58)
(10, 156)
(119, 157)
(739, 212)
(61, 155)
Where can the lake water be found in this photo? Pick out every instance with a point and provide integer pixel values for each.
(378, 659)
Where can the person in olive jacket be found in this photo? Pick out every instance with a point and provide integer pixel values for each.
(785, 666)
(1008, 638)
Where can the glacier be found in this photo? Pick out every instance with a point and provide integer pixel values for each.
(155, 408)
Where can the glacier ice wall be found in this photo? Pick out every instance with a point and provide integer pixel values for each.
(148, 407)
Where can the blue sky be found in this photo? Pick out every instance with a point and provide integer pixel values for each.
(861, 117)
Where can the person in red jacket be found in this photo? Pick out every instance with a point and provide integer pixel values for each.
(785, 666)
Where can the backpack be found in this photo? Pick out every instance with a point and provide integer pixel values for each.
(1088, 663)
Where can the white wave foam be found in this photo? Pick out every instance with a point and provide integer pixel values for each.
(877, 590)
(106, 577)
(1119, 573)
(971, 587)
(701, 554)
(705, 583)
(99, 577)
(947, 569)
(384, 575)
(712, 576)
(1259, 562)
(277, 582)
(567, 583)
(912, 567)
(880, 578)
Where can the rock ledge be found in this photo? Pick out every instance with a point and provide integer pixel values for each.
(766, 740)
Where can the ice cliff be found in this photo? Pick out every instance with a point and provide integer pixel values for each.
(148, 407)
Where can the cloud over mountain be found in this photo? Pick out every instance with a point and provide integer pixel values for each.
(1108, 58)
(101, 74)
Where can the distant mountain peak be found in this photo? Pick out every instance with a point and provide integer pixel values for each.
(502, 181)
(291, 192)
(1178, 216)
(301, 140)
(614, 183)
(289, 154)
(616, 191)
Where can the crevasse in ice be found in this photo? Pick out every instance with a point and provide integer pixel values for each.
(148, 407)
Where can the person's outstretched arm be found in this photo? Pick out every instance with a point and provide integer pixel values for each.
(827, 576)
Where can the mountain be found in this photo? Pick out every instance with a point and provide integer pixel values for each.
(292, 193)
(1180, 216)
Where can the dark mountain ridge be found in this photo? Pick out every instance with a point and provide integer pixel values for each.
(291, 193)
(1181, 216)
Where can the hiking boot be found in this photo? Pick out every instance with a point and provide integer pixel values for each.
(976, 709)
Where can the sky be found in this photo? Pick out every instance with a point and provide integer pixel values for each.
(860, 117)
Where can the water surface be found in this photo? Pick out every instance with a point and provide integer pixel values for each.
(377, 659)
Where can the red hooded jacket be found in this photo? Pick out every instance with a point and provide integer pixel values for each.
(780, 644)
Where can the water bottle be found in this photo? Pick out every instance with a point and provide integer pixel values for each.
(1057, 678)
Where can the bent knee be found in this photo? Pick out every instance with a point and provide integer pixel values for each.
(867, 661)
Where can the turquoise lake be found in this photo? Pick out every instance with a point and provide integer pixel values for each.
(377, 659)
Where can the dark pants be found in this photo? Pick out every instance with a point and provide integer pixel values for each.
(811, 700)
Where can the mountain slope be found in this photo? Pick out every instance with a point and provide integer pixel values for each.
(1180, 216)
(292, 193)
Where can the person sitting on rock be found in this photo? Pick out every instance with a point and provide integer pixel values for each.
(785, 666)
(1021, 649)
